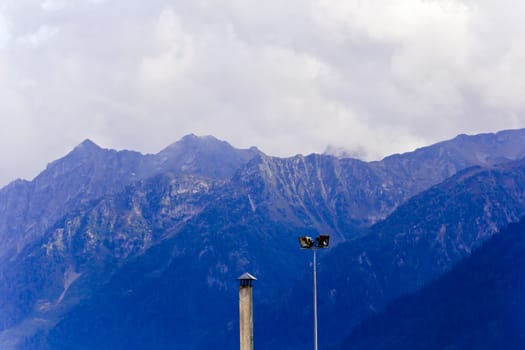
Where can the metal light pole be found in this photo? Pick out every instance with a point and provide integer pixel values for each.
(315, 298)
(308, 243)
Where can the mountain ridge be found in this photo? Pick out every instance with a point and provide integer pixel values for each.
(84, 174)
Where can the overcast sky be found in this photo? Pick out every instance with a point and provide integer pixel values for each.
(375, 77)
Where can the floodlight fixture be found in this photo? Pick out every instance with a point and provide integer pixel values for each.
(322, 241)
(306, 242)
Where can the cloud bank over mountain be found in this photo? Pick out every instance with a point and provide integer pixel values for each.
(372, 77)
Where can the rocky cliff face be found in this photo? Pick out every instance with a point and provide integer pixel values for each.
(148, 237)
(29, 208)
(349, 194)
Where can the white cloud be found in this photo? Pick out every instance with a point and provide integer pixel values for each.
(39, 37)
(53, 5)
(4, 32)
(173, 55)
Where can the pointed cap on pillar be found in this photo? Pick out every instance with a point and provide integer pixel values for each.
(247, 276)
(246, 280)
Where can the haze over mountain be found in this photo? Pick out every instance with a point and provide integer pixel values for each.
(143, 250)
(376, 77)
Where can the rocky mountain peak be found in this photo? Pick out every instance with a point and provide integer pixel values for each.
(87, 144)
(194, 143)
(203, 155)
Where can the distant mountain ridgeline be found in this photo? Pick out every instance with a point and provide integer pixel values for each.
(130, 246)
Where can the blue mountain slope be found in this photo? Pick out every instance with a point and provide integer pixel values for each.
(479, 304)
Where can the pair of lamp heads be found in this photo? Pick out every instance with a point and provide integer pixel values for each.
(307, 242)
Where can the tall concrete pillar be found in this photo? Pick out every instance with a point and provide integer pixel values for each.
(246, 311)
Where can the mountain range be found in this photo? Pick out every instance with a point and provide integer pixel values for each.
(116, 249)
